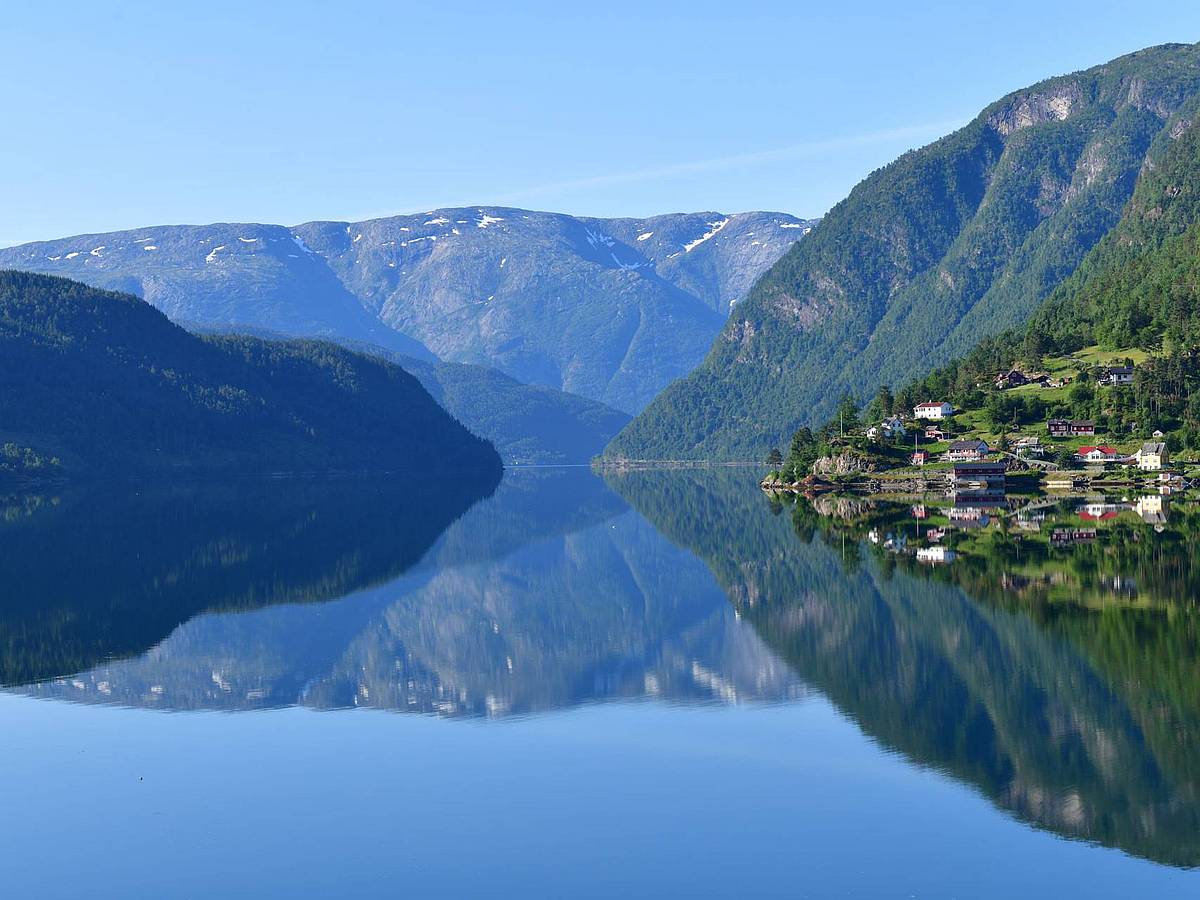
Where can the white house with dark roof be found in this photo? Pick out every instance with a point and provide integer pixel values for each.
(934, 411)
(889, 428)
(1117, 375)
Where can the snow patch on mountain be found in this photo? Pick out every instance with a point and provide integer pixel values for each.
(708, 235)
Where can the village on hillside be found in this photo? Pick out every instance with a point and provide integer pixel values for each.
(962, 470)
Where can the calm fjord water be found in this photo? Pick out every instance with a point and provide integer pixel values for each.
(655, 684)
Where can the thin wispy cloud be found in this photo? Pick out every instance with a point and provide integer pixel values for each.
(741, 160)
(916, 133)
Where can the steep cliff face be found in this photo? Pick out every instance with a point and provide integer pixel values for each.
(613, 310)
(944, 246)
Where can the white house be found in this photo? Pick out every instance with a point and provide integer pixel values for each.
(888, 428)
(1117, 375)
(934, 411)
(1029, 447)
(935, 554)
(1098, 454)
(1152, 456)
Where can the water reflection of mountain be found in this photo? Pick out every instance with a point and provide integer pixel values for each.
(1072, 551)
(1076, 719)
(549, 594)
(100, 574)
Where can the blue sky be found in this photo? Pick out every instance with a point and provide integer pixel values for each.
(121, 115)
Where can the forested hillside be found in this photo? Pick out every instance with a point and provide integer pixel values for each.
(104, 382)
(1136, 293)
(947, 245)
(528, 424)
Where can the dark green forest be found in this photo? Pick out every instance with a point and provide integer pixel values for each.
(96, 382)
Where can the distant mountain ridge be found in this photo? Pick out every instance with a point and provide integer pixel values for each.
(948, 244)
(528, 424)
(610, 309)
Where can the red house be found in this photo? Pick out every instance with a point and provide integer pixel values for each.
(1070, 428)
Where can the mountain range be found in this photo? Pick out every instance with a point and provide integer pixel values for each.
(947, 245)
(610, 309)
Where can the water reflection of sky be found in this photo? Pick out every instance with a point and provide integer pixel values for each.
(641, 800)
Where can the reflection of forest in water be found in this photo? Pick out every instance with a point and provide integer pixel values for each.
(1013, 668)
(548, 593)
(1079, 551)
(106, 573)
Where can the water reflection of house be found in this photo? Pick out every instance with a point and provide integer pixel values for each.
(968, 516)
(1101, 511)
(980, 480)
(971, 524)
(1152, 508)
(1063, 536)
(1031, 520)
(935, 555)
(1121, 584)
(1013, 582)
(919, 511)
(895, 543)
(1167, 484)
